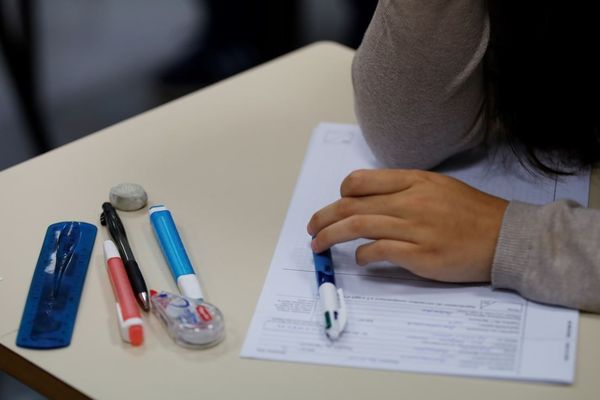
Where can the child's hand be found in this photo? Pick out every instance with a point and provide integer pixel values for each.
(433, 225)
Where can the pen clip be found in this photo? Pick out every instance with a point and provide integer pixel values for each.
(342, 315)
(110, 218)
(122, 328)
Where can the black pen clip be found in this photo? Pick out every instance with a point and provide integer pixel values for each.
(110, 218)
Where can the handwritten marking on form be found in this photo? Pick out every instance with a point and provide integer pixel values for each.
(398, 321)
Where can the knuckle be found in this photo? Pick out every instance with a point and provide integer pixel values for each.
(379, 251)
(356, 224)
(415, 174)
(346, 207)
(321, 238)
(419, 176)
(416, 201)
(314, 221)
(353, 182)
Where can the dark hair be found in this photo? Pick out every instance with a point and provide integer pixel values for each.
(542, 82)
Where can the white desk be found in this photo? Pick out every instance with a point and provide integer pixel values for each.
(225, 161)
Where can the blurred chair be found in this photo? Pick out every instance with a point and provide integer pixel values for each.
(237, 35)
(18, 45)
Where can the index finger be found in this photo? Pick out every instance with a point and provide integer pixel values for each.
(366, 182)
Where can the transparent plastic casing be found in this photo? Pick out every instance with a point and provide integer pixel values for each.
(191, 323)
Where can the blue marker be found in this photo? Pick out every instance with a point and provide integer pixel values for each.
(332, 298)
(191, 321)
(174, 251)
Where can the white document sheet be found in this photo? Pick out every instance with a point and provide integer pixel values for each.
(397, 321)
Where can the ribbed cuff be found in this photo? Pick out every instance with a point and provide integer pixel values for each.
(514, 247)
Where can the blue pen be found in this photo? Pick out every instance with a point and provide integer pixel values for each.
(331, 297)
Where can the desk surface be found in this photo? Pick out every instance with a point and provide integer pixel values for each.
(225, 161)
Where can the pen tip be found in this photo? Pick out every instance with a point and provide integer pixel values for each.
(144, 301)
(333, 334)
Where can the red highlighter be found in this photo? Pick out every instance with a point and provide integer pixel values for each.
(128, 314)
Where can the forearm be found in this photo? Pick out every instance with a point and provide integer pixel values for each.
(418, 80)
(550, 254)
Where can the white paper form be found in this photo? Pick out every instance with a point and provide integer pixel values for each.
(397, 321)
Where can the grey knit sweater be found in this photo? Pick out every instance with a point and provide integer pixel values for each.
(418, 86)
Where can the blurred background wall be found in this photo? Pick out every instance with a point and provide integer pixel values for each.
(72, 67)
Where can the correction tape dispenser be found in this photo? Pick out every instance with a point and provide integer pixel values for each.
(191, 323)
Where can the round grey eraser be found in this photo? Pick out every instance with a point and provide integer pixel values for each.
(128, 196)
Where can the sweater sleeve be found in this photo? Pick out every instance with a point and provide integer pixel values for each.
(418, 80)
(550, 254)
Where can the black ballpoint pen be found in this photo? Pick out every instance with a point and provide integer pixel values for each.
(110, 218)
